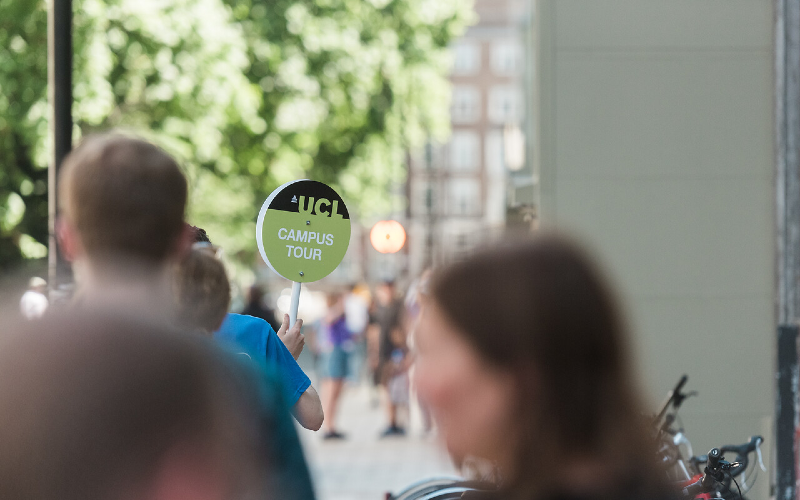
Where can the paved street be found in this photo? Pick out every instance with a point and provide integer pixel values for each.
(363, 467)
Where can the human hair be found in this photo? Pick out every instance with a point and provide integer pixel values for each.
(541, 311)
(125, 197)
(202, 291)
(92, 406)
(199, 235)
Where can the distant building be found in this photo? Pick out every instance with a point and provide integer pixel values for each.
(459, 192)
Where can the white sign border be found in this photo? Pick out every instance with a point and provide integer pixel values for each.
(260, 222)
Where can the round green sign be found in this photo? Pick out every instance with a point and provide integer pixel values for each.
(303, 230)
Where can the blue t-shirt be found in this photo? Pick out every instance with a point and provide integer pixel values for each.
(287, 476)
(257, 339)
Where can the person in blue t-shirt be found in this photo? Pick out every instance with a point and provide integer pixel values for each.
(259, 341)
(203, 293)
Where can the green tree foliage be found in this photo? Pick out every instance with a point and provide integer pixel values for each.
(249, 94)
(23, 88)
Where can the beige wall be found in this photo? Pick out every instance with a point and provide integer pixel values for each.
(655, 142)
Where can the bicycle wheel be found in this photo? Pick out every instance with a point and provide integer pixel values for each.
(426, 486)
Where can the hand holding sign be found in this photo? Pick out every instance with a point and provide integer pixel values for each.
(291, 337)
(302, 232)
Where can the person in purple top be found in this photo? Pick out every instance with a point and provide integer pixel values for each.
(335, 346)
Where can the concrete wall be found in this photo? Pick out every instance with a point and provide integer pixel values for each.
(654, 140)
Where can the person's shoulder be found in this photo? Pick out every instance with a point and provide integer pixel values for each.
(246, 331)
(233, 320)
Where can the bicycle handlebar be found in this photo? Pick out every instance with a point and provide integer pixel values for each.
(712, 475)
(742, 454)
(713, 458)
(745, 449)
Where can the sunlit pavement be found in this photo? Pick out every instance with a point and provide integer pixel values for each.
(364, 467)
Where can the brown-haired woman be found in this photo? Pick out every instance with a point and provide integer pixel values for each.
(523, 361)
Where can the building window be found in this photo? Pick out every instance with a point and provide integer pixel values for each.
(423, 197)
(464, 151)
(466, 105)
(464, 197)
(493, 146)
(466, 58)
(505, 105)
(495, 206)
(429, 157)
(461, 242)
(461, 245)
(507, 58)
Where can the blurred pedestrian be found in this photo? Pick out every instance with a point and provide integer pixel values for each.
(395, 381)
(335, 348)
(122, 204)
(33, 303)
(416, 297)
(356, 311)
(257, 308)
(389, 334)
(100, 407)
(356, 314)
(203, 296)
(523, 358)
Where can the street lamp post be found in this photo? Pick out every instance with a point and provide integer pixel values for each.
(787, 121)
(59, 79)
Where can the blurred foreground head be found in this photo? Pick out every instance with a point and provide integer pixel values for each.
(122, 199)
(523, 360)
(102, 408)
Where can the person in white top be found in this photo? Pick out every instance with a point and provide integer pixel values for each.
(356, 312)
(34, 302)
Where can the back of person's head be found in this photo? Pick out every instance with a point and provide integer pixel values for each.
(105, 408)
(125, 198)
(202, 291)
(540, 313)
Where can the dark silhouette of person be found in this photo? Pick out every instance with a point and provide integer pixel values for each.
(256, 307)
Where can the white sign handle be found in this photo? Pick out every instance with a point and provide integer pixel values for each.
(295, 303)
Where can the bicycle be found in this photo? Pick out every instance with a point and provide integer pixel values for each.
(690, 472)
(728, 474)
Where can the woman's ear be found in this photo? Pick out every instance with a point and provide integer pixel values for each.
(69, 242)
(184, 242)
